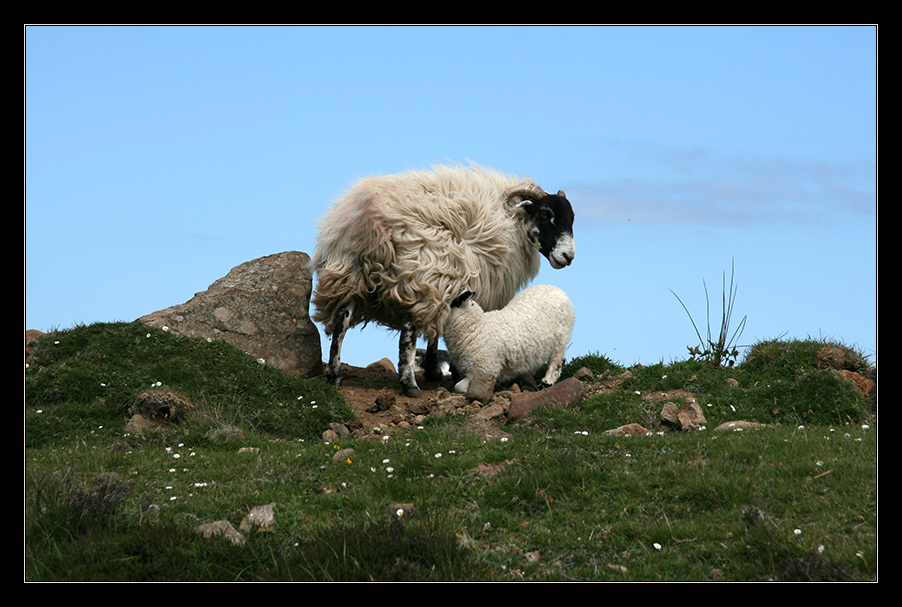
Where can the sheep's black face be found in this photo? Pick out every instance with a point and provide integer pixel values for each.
(552, 218)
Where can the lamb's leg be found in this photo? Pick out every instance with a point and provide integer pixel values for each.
(407, 353)
(555, 366)
(431, 368)
(340, 324)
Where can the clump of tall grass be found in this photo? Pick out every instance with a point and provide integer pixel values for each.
(722, 349)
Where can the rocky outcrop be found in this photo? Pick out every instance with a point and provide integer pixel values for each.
(261, 307)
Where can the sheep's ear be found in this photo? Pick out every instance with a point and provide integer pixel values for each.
(524, 204)
(462, 299)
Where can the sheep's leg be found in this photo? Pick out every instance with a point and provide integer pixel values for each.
(555, 366)
(431, 368)
(407, 352)
(340, 324)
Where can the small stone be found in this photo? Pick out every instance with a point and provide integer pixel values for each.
(481, 388)
(221, 529)
(259, 518)
(343, 455)
(627, 430)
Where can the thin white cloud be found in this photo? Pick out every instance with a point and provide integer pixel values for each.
(695, 186)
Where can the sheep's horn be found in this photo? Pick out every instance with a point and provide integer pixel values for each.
(526, 190)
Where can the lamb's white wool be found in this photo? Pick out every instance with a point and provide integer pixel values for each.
(534, 328)
(396, 248)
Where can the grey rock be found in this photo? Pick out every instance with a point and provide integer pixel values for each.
(262, 307)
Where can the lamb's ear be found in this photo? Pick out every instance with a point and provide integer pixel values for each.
(462, 298)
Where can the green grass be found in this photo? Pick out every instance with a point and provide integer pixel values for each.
(794, 501)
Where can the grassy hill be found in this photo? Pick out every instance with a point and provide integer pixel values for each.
(557, 499)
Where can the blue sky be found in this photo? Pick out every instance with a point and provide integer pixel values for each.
(158, 158)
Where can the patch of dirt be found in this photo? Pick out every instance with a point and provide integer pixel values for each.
(375, 396)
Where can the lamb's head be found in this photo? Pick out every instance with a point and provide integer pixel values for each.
(464, 308)
(550, 221)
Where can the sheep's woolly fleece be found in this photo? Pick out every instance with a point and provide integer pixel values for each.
(408, 243)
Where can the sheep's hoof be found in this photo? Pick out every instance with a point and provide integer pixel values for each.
(412, 392)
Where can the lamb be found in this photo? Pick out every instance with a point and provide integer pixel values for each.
(534, 328)
(394, 249)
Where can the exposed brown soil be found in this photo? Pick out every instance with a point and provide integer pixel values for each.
(376, 398)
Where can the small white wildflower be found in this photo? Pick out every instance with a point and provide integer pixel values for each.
(438, 455)
(503, 439)
(261, 360)
(165, 328)
(399, 512)
(797, 531)
(389, 469)
(657, 546)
